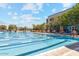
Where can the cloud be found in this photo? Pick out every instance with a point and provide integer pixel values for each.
(14, 17)
(3, 5)
(12, 13)
(54, 10)
(15, 13)
(34, 7)
(9, 7)
(67, 5)
(2, 23)
(24, 17)
(29, 17)
(29, 7)
(35, 12)
(9, 13)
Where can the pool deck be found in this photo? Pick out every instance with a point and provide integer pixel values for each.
(70, 50)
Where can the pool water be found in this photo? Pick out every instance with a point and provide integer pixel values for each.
(29, 43)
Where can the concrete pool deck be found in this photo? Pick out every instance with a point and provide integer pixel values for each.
(70, 50)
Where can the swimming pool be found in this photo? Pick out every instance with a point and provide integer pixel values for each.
(29, 43)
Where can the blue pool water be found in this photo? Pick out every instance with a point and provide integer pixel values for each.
(28, 43)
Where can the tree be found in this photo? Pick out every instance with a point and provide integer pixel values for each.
(69, 17)
(12, 27)
(3, 27)
(41, 27)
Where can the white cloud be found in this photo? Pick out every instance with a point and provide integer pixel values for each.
(15, 13)
(3, 5)
(14, 17)
(54, 10)
(48, 4)
(9, 13)
(2, 23)
(25, 17)
(29, 17)
(9, 7)
(67, 5)
(36, 12)
(40, 6)
(29, 7)
(34, 7)
(12, 13)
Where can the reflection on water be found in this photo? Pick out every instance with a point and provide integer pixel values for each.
(16, 43)
(24, 37)
(20, 37)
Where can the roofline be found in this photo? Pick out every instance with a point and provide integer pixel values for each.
(61, 11)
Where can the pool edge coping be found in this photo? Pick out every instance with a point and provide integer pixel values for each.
(41, 54)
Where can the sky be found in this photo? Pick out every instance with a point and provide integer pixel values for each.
(26, 14)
